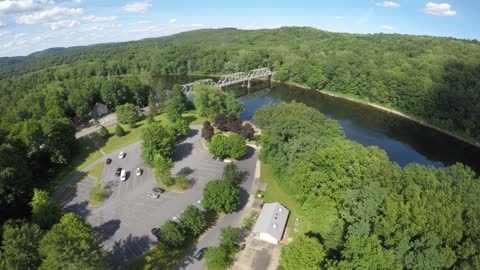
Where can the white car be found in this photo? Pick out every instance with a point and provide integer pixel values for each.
(123, 175)
(121, 155)
(138, 172)
(227, 160)
(153, 195)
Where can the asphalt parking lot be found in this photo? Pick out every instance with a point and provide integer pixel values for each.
(123, 222)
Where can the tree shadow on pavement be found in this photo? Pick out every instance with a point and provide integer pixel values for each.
(243, 198)
(249, 153)
(124, 251)
(185, 171)
(106, 230)
(182, 151)
(80, 209)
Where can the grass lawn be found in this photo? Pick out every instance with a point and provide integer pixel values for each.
(96, 171)
(322, 220)
(87, 153)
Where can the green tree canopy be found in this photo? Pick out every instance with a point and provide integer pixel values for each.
(127, 113)
(194, 220)
(157, 140)
(171, 233)
(20, 245)
(221, 196)
(217, 258)
(70, 245)
(302, 253)
(45, 211)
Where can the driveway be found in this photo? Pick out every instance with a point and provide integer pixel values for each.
(123, 222)
(235, 219)
(107, 120)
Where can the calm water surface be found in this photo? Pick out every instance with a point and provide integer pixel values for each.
(403, 140)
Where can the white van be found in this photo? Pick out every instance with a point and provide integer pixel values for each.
(123, 175)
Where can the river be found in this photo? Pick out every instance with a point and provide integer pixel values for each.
(403, 140)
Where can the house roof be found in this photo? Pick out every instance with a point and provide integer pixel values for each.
(272, 220)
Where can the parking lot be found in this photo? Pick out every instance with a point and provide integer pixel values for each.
(123, 222)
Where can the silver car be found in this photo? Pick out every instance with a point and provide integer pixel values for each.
(153, 195)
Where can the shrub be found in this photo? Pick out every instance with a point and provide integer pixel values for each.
(217, 258)
(182, 181)
(221, 122)
(127, 113)
(104, 133)
(233, 146)
(119, 131)
(97, 194)
(247, 131)
(232, 175)
(207, 131)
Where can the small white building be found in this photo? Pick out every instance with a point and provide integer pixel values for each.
(271, 223)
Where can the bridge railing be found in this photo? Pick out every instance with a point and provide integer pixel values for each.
(229, 79)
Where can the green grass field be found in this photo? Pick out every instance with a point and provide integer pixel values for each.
(323, 217)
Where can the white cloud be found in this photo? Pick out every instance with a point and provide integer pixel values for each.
(139, 22)
(388, 4)
(2, 24)
(9, 7)
(172, 20)
(93, 18)
(95, 28)
(443, 9)
(3, 33)
(77, 1)
(196, 25)
(63, 24)
(137, 7)
(339, 17)
(55, 13)
(387, 27)
(47, 2)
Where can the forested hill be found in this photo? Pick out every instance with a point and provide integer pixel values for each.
(433, 78)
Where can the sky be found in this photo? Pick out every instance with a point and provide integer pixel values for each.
(27, 26)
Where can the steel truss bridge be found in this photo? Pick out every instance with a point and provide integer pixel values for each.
(234, 78)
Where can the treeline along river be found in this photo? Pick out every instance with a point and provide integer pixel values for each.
(403, 140)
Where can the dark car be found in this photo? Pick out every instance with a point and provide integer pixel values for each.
(108, 161)
(118, 171)
(200, 253)
(156, 233)
(158, 190)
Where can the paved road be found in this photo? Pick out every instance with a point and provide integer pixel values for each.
(123, 222)
(107, 120)
(211, 237)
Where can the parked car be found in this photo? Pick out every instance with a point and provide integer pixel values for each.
(153, 195)
(138, 171)
(158, 190)
(227, 160)
(123, 175)
(118, 171)
(121, 155)
(108, 161)
(156, 233)
(200, 253)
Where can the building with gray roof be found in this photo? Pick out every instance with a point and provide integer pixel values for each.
(271, 223)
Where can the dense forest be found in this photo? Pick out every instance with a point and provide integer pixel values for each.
(384, 217)
(436, 79)
(41, 95)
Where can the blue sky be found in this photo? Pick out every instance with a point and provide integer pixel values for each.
(27, 26)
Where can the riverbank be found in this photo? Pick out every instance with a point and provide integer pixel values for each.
(388, 110)
(359, 100)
